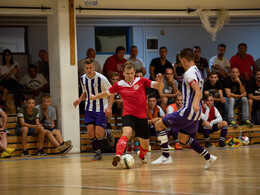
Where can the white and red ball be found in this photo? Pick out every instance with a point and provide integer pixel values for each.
(245, 140)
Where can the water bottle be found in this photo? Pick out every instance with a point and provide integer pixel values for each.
(132, 146)
(240, 134)
(137, 145)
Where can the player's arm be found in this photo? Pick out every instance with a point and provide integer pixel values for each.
(108, 111)
(158, 84)
(195, 86)
(104, 94)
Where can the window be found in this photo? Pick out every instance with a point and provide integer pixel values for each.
(152, 44)
(107, 39)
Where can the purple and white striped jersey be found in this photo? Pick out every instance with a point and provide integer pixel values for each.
(96, 85)
(192, 74)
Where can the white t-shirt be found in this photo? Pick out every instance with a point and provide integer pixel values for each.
(223, 63)
(6, 70)
(34, 83)
(138, 63)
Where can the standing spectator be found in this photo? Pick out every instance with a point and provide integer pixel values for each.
(115, 63)
(201, 63)
(90, 53)
(139, 65)
(170, 90)
(11, 72)
(236, 93)
(253, 90)
(43, 64)
(3, 136)
(29, 124)
(178, 71)
(243, 62)
(219, 63)
(159, 65)
(35, 82)
(211, 122)
(47, 117)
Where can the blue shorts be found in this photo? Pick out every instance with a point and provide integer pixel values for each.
(96, 118)
(18, 132)
(180, 123)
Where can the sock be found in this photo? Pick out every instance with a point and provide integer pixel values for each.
(163, 141)
(94, 143)
(194, 144)
(121, 145)
(206, 131)
(107, 134)
(142, 152)
(223, 133)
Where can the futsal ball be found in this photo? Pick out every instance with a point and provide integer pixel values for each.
(245, 140)
(127, 161)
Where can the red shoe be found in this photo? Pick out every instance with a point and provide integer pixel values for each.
(178, 146)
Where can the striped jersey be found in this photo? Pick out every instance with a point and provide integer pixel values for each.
(192, 74)
(96, 85)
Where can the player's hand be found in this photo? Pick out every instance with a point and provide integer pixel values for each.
(76, 102)
(108, 112)
(92, 97)
(196, 108)
(159, 77)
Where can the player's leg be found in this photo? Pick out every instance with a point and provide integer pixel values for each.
(94, 142)
(223, 125)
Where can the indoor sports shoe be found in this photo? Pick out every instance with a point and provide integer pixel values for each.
(41, 153)
(233, 124)
(144, 160)
(116, 160)
(5, 155)
(66, 151)
(178, 146)
(150, 148)
(97, 157)
(210, 162)
(209, 145)
(10, 150)
(25, 153)
(170, 148)
(162, 160)
(248, 123)
(222, 144)
(110, 138)
(64, 146)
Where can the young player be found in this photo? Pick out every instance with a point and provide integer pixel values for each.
(95, 118)
(132, 91)
(187, 118)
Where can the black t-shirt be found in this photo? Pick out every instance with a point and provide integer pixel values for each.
(158, 67)
(252, 88)
(180, 70)
(233, 86)
(201, 64)
(212, 89)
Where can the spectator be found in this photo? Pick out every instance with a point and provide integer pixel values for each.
(90, 53)
(3, 98)
(243, 62)
(170, 90)
(29, 124)
(139, 73)
(253, 90)
(139, 65)
(35, 82)
(236, 93)
(170, 109)
(201, 63)
(257, 63)
(43, 64)
(159, 65)
(115, 63)
(211, 122)
(11, 72)
(7, 152)
(219, 63)
(47, 117)
(213, 86)
(178, 71)
(154, 112)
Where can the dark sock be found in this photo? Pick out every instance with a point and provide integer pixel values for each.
(94, 143)
(194, 144)
(223, 133)
(163, 139)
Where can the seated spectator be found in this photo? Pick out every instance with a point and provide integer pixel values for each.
(47, 117)
(139, 73)
(29, 124)
(236, 94)
(178, 72)
(201, 63)
(219, 63)
(11, 72)
(213, 86)
(139, 65)
(7, 152)
(3, 98)
(253, 90)
(43, 64)
(170, 90)
(211, 122)
(243, 62)
(154, 112)
(35, 82)
(170, 109)
(115, 63)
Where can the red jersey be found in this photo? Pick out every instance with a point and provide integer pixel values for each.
(114, 65)
(133, 96)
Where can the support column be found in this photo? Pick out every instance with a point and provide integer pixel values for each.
(63, 75)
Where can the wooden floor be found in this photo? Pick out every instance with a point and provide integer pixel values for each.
(237, 171)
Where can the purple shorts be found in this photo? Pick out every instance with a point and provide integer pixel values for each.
(180, 123)
(96, 118)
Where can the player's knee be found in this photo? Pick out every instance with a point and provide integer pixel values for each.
(183, 138)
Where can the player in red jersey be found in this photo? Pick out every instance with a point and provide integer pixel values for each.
(132, 91)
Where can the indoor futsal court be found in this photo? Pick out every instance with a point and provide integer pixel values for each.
(236, 171)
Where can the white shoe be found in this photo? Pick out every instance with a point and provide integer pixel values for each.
(162, 160)
(144, 161)
(150, 148)
(170, 148)
(210, 162)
